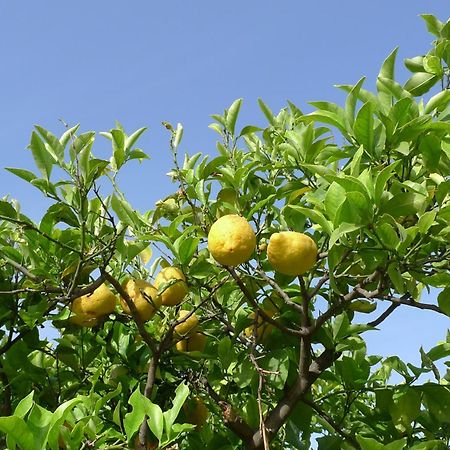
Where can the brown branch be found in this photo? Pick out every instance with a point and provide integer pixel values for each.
(278, 416)
(384, 315)
(345, 299)
(280, 291)
(21, 268)
(348, 437)
(134, 312)
(31, 227)
(151, 375)
(413, 303)
(319, 285)
(231, 419)
(262, 313)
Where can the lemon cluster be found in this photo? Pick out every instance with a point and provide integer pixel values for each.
(232, 241)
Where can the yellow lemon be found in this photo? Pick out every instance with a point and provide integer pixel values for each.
(83, 320)
(196, 412)
(144, 296)
(231, 240)
(188, 326)
(291, 253)
(174, 294)
(194, 343)
(263, 329)
(99, 303)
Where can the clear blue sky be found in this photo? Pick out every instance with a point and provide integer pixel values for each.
(142, 62)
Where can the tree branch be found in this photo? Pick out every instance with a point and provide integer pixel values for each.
(262, 313)
(278, 416)
(349, 438)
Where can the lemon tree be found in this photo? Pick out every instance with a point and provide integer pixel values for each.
(233, 314)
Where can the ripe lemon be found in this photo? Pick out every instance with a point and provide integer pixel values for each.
(145, 297)
(83, 320)
(188, 326)
(92, 306)
(194, 343)
(231, 240)
(196, 412)
(291, 253)
(263, 329)
(174, 294)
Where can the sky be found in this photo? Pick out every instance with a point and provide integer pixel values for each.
(143, 62)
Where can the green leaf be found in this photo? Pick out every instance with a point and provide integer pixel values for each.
(381, 180)
(43, 159)
(363, 128)
(403, 204)
(386, 72)
(249, 130)
(7, 210)
(187, 249)
(396, 278)
(444, 301)
(426, 220)
(437, 400)
(335, 196)
(22, 173)
(315, 216)
(388, 236)
(68, 134)
(178, 134)
(343, 229)
(132, 420)
(277, 362)
(430, 149)
(232, 114)
(267, 112)
(430, 445)
(24, 405)
(53, 144)
(131, 140)
(414, 64)
(16, 428)
(124, 211)
(350, 102)
(432, 64)
(372, 444)
(181, 394)
(434, 26)
(439, 101)
(420, 83)
(405, 408)
(155, 417)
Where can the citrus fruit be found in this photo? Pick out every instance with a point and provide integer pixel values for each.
(196, 412)
(194, 343)
(263, 329)
(91, 306)
(174, 293)
(144, 296)
(291, 253)
(231, 240)
(188, 326)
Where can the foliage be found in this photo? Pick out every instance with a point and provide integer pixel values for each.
(378, 207)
